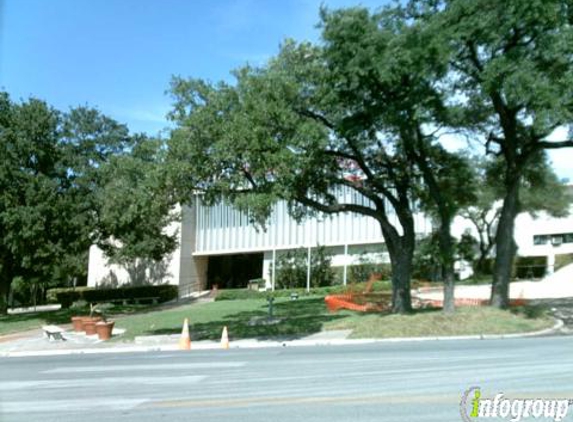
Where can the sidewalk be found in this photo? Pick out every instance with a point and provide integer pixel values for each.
(559, 285)
(34, 344)
(528, 290)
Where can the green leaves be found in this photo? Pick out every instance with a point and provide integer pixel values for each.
(68, 180)
(135, 204)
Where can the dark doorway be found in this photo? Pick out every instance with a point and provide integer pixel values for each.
(234, 271)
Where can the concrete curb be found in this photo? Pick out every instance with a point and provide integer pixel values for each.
(254, 344)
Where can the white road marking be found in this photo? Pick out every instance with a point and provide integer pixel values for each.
(148, 367)
(67, 405)
(107, 382)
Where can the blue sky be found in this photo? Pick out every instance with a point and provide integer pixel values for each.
(119, 55)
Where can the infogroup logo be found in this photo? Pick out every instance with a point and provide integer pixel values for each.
(474, 407)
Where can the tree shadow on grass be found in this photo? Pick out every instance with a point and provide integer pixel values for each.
(30, 321)
(63, 316)
(294, 319)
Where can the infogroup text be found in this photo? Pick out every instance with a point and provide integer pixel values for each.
(474, 407)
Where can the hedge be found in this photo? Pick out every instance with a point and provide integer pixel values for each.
(67, 296)
(239, 294)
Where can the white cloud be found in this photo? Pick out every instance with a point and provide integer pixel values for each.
(152, 114)
(151, 120)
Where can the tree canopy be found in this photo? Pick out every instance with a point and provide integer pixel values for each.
(60, 178)
(510, 74)
(364, 109)
(350, 113)
(541, 190)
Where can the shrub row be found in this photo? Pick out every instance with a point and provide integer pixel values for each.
(239, 294)
(67, 296)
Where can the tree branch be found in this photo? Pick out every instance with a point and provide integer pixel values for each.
(492, 138)
(315, 116)
(337, 208)
(555, 145)
(340, 154)
(249, 177)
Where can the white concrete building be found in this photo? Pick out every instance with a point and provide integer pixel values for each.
(544, 236)
(214, 237)
(218, 245)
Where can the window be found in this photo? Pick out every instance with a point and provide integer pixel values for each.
(555, 239)
(540, 239)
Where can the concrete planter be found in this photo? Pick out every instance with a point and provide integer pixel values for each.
(77, 322)
(104, 329)
(89, 325)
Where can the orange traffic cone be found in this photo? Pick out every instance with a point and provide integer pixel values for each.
(185, 340)
(225, 338)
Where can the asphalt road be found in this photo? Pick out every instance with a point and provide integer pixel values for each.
(413, 381)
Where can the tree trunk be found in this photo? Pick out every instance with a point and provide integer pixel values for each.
(447, 261)
(505, 247)
(401, 260)
(6, 277)
(401, 251)
(4, 290)
(481, 264)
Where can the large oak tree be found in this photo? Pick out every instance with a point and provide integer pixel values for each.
(70, 180)
(354, 112)
(511, 76)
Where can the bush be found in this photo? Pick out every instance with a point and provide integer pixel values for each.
(66, 297)
(238, 294)
(29, 291)
(52, 295)
(361, 273)
(486, 268)
(292, 269)
(241, 294)
(21, 293)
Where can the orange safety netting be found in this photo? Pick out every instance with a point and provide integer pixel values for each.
(361, 302)
(367, 301)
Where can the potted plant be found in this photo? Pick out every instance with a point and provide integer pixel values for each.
(89, 323)
(104, 328)
(77, 322)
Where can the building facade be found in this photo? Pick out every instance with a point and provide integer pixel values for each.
(218, 245)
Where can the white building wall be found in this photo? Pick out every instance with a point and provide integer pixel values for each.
(527, 227)
(102, 272)
(222, 229)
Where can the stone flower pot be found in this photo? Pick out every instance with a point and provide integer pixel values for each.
(89, 325)
(104, 329)
(77, 322)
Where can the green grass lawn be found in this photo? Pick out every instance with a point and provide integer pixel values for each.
(22, 322)
(309, 315)
(298, 318)
(433, 322)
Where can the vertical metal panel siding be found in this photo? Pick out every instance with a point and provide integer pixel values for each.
(223, 229)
